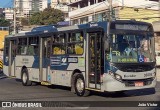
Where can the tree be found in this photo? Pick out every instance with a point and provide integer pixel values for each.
(24, 22)
(4, 22)
(35, 19)
(48, 16)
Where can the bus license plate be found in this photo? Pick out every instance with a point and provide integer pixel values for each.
(138, 84)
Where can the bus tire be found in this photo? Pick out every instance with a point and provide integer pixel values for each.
(25, 78)
(79, 85)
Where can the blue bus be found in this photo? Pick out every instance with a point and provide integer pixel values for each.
(85, 57)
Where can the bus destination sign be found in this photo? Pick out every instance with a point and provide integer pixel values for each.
(131, 27)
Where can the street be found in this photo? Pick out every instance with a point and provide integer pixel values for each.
(12, 90)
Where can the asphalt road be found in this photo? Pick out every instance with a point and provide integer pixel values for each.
(12, 90)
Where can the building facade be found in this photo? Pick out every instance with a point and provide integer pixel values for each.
(25, 8)
(82, 11)
(61, 5)
(9, 13)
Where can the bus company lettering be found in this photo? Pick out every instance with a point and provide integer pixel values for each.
(72, 60)
(93, 25)
(132, 75)
(25, 61)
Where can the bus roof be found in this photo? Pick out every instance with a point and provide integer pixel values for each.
(55, 28)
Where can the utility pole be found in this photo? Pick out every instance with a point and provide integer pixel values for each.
(109, 16)
(14, 9)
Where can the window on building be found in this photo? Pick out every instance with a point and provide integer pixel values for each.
(99, 17)
(75, 22)
(84, 20)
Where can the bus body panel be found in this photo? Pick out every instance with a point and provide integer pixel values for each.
(45, 74)
(18, 72)
(32, 65)
(5, 70)
(34, 74)
(61, 74)
(59, 77)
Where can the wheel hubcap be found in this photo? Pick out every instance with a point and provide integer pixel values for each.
(24, 77)
(80, 85)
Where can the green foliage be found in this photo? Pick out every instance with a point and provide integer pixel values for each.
(35, 19)
(48, 16)
(4, 22)
(24, 22)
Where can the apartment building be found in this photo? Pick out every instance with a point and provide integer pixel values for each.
(25, 8)
(61, 5)
(82, 11)
(1, 10)
(8, 13)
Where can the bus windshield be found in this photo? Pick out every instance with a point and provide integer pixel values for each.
(130, 48)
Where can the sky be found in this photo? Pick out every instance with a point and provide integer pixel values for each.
(7, 3)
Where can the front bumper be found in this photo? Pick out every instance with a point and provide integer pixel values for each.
(111, 85)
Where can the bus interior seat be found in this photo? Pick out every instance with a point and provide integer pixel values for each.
(78, 49)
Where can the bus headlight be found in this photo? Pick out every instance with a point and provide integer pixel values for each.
(115, 76)
(111, 73)
(118, 77)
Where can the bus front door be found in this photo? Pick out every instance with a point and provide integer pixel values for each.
(95, 54)
(12, 55)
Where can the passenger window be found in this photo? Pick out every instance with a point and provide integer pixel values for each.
(22, 46)
(59, 44)
(75, 43)
(33, 46)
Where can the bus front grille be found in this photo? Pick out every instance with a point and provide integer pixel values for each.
(131, 83)
(136, 68)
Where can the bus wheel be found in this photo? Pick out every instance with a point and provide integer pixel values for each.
(79, 85)
(25, 78)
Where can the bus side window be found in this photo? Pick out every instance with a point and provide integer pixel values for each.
(33, 46)
(75, 43)
(59, 46)
(22, 46)
(14, 47)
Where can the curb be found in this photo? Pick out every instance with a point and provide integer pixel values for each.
(2, 77)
